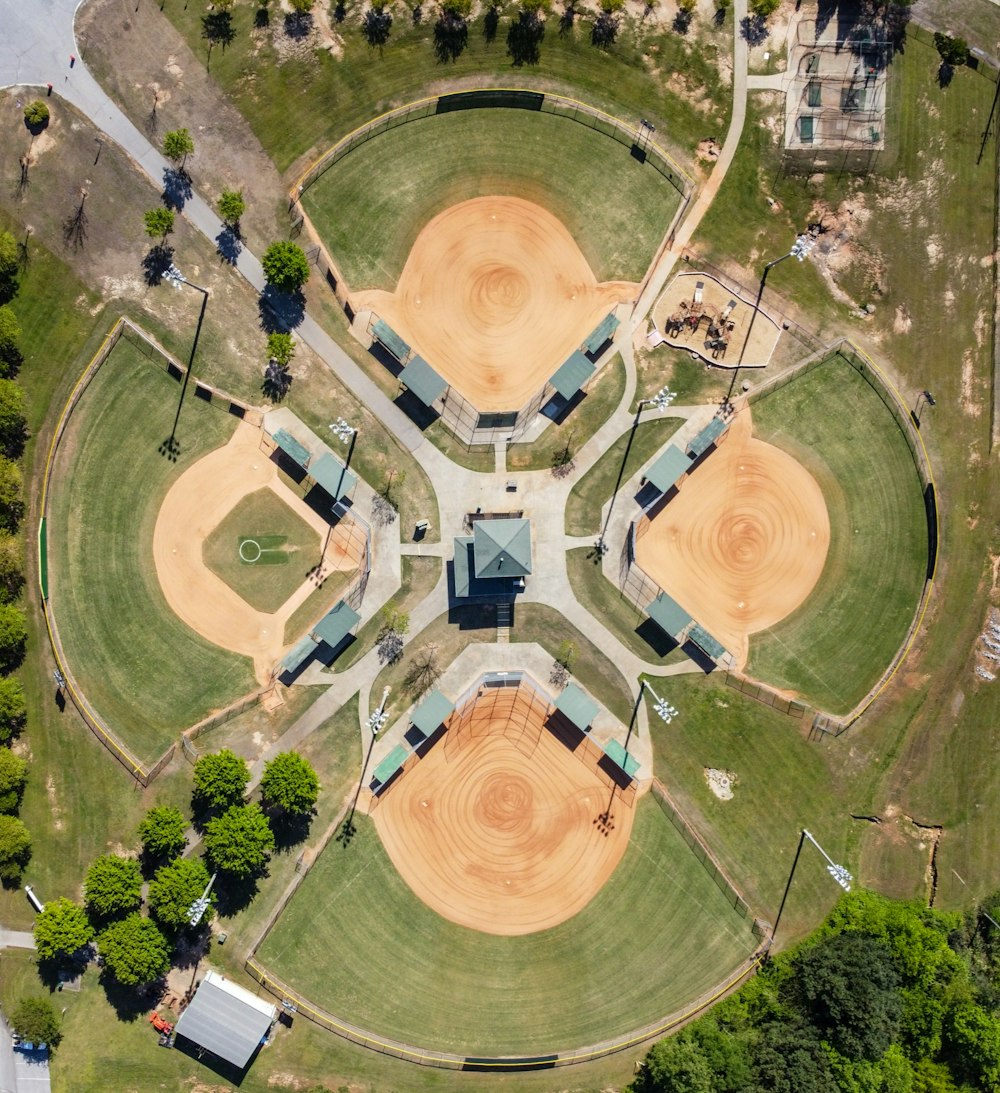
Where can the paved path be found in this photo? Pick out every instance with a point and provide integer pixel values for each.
(16, 939)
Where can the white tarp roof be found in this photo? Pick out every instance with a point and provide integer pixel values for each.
(226, 1019)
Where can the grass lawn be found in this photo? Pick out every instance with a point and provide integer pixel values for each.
(600, 597)
(564, 438)
(532, 623)
(142, 668)
(360, 83)
(614, 207)
(588, 496)
(262, 550)
(837, 644)
(358, 942)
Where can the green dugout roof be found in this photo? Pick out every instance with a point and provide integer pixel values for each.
(601, 334)
(463, 565)
(390, 764)
(423, 381)
(704, 640)
(299, 652)
(620, 757)
(669, 469)
(432, 713)
(291, 447)
(336, 624)
(391, 340)
(572, 375)
(333, 476)
(502, 548)
(707, 437)
(668, 614)
(578, 706)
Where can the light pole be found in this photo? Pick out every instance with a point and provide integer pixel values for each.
(661, 400)
(376, 723)
(803, 244)
(925, 397)
(838, 872)
(169, 447)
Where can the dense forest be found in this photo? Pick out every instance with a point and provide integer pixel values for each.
(885, 997)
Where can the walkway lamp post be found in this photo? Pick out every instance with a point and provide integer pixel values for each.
(803, 244)
(838, 872)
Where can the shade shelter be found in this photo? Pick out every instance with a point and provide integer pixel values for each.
(669, 469)
(336, 624)
(577, 706)
(707, 437)
(502, 548)
(432, 713)
(329, 473)
(419, 378)
(669, 616)
(226, 1020)
(572, 374)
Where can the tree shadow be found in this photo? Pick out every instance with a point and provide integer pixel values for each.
(376, 26)
(720, 16)
(754, 30)
(156, 262)
(277, 381)
(491, 22)
(35, 128)
(605, 30)
(524, 39)
(290, 828)
(74, 227)
(946, 73)
(682, 21)
(261, 18)
(298, 24)
(176, 187)
(228, 244)
(217, 29)
(567, 19)
(280, 312)
(339, 12)
(23, 179)
(235, 894)
(451, 35)
(130, 1003)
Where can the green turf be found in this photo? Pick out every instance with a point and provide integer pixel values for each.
(142, 668)
(262, 550)
(357, 941)
(588, 496)
(615, 207)
(838, 643)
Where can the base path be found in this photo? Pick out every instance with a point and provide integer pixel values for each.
(744, 541)
(495, 295)
(194, 507)
(498, 829)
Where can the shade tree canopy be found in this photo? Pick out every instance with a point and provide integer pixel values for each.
(134, 950)
(173, 890)
(13, 711)
(113, 886)
(289, 783)
(35, 1019)
(239, 841)
(285, 266)
(159, 222)
(61, 929)
(13, 777)
(178, 145)
(15, 848)
(220, 779)
(161, 832)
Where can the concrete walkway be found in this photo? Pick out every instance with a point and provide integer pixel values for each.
(16, 939)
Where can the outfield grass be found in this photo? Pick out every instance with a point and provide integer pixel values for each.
(358, 942)
(360, 83)
(588, 496)
(292, 549)
(142, 668)
(837, 644)
(615, 208)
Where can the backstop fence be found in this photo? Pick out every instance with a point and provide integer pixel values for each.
(136, 336)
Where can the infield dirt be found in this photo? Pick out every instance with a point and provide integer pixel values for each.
(194, 506)
(496, 295)
(498, 828)
(744, 541)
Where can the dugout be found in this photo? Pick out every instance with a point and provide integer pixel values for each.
(389, 769)
(707, 439)
(667, 472)
(305, 458)
(669, 616)
(427, 721)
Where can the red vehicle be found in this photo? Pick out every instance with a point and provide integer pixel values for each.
(160, 1023)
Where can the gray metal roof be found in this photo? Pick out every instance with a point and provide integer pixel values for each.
(668, 614)
(669, 469)
(502, 548)
(704, 640)
(572, 375)
(226, 1019)
(391, 763)
(423, 381)
(578, 706)
(463, 565)
(432, 713)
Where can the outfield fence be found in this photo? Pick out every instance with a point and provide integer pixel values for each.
(213, 721)
(766, 695)
(136, 336)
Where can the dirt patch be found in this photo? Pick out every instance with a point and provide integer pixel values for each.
(495, 295)
(902, 322)
(54, 807)
(498, 827)
(744, 541)
(720, 782)
(970, 403)
(708, 150)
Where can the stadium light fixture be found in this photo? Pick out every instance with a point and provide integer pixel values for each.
(662, 399)
(377, 720)
(200, 905)
(341, 430)
(665, 711)
(838, 872)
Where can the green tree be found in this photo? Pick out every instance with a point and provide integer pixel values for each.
(134, 950)
(973, 1043)
(289, 783)
(36, 114)
(113, 885)
(161, 832)
(239, 841)
(159, 222)
(174, 888)
(13, 428)
(177, 146)
(764, 8)
(280, 348)
(9, 264)
(15, 848)
(13, 635)
(953, 51)
(302, 6)
(11, 571)
(220, 779)
(285, 266)
(36, 1020)
(789, 1058)
(13, 777)
(11, 497)
(231, 207)
(11, 358)
(13, 711)
(61, 929)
